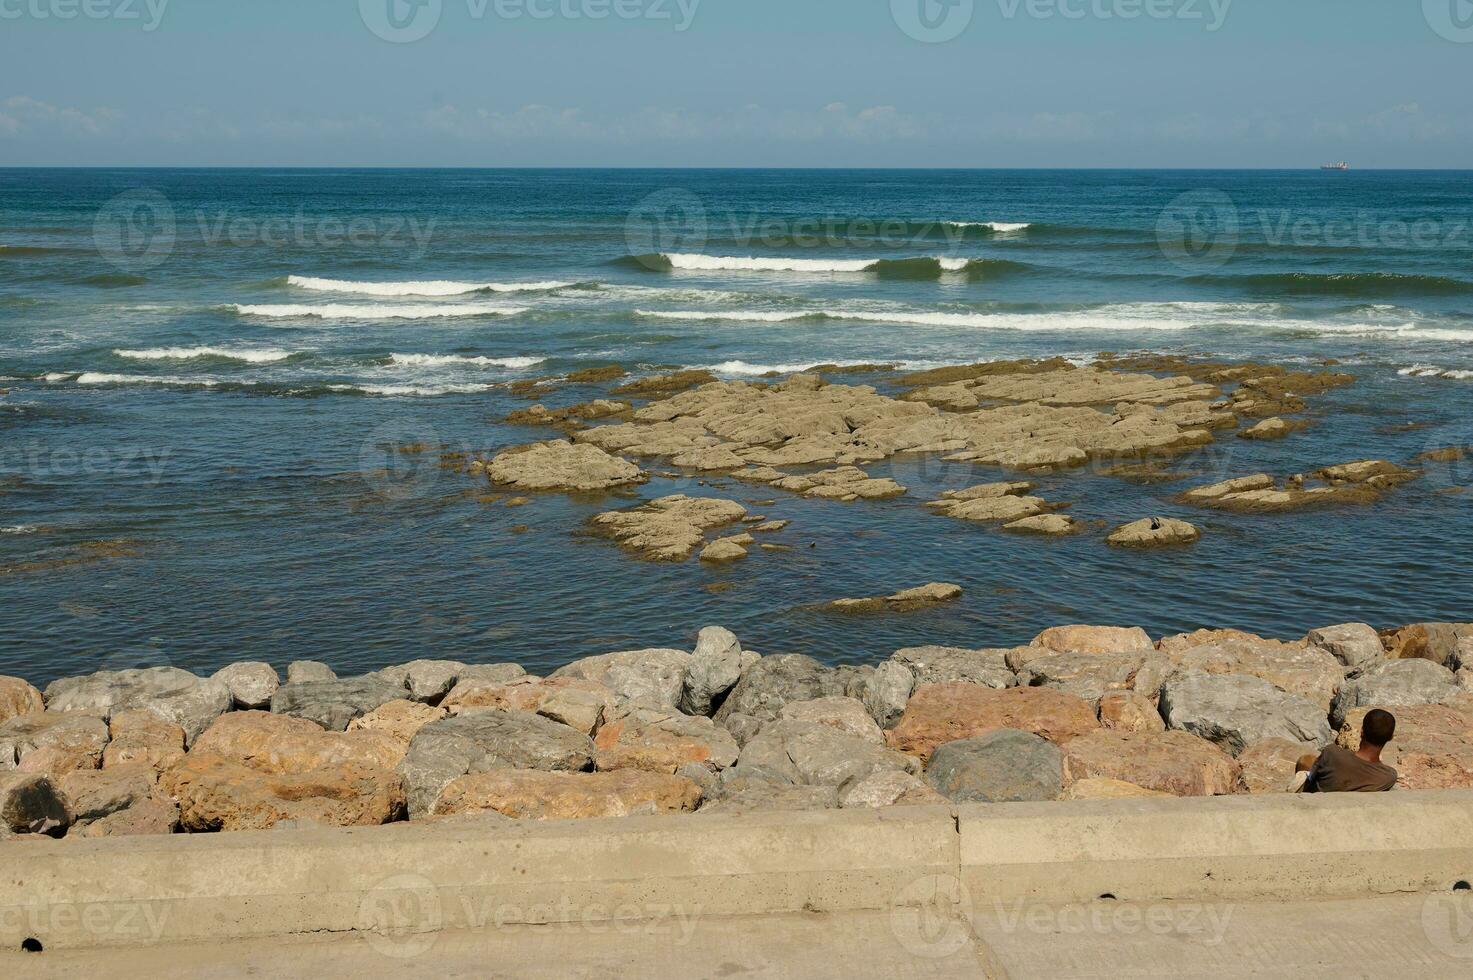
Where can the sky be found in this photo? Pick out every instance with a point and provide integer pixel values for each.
(737, 83)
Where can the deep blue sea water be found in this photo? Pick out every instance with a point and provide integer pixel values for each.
(209, 373)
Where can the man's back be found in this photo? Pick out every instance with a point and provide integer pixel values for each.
(1339, 770)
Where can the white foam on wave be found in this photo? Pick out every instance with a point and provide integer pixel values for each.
(1002, 227)
(100, 378)
(1433, 371)
(748, 369)
(723, 263)
(267, 356)
(463, 360)
(19, 529)
(409, 390)
(347, 311)
(732, 315)
(53, 376)
(436, 287)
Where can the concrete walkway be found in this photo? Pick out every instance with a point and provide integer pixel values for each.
(1401, 936)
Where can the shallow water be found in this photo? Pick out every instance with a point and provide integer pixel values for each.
(198, 454)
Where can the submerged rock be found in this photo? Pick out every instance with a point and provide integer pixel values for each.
(560, 465)
(670, 528)
(1154, 532)
(905, 600)
(1350, 483)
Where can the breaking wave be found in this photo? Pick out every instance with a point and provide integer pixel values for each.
(921, 267)
(438, 287)
(462, 360)
(1433, 371)
(347, 311)
(268, 356)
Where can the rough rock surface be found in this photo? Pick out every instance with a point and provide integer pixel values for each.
(92, 794)
(219, 794)
(670, 528)
(575, 702)
(1003, 766)
(1049, 525)
(663, 741)
(888, 692)
(906, 599)
(1268, 766)
(1108, 789)
(1154, 532)
(746, 794)
(153, 815)
(1356, 645)
(812, 754)
(715, 667)
(175, 695)
(1172, 762)
(1393, 684)
(1433, 748)
(1236, 710)
(941, 713)
(847, 715)
(560, 465)
(890, 787)
(400, 720)
(65, 740)
(480, 742)
(1364, 482)
(942, 665)
(1448, 644)
(1086, 675)
(1094, 639)
(142, 738)
(773, 681)
(1129, 711)
(251, 684)
(18, 698)
(526, 794)
(301, 671)
(656, 675)
(1308, 671)
(426, 681)
(283, 744)
(30, 803)
(333, 704)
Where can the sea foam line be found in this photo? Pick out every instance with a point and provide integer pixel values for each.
(266, 356)
(436, 287)
(997, 226)
(691, 262)
(447, 360)
(1433, 371)
(347, 311)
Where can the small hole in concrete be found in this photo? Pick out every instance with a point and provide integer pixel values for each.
(30, 945)
(1107, 897)
(1462, 886)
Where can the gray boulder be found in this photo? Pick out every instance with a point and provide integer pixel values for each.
(740, 793)
(301, 671)
(193, 708)
(452, 747)
(332, 704)
(251, 684)
(1234, 711)
(1002, 766)
(79, 736)
(426, 681)
(1086, 675)
(175, 695)
(1356, 645)
(714, 669)
(492, 673)
(31, 804)
(656, 675)
(773, 681)
(743, 728)
(1395, 683)
(888, 692)
(942, 665)
(813, 754)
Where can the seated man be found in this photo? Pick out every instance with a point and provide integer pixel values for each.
(1341, 771)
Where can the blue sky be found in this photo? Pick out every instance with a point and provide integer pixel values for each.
(1277, 83)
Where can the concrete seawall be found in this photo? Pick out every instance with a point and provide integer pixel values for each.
(399, 882)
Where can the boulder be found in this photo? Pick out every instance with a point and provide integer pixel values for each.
(572, 701)
(483, 741)
(1154, 532)
(1094, 639)
(663, 742)
(1311, 672)
(274, 743)
(527, 794)
(942, 665)
(66, 740)
(1393, 684)
(657, 675)
(812, 754)
(714, 668)
(1433, 747)
(92, 794)
(726, 549)
(400, 720)
(192, 709)
(1441, 643)
(940, 713)
(1128, 711)
(175, 695)
(1173, 762)
(142, 738)
(1181, 642)
(890, 787)
(888, 692)
(1108, 789)
(18, 698)
(746, 794)
(332, 704)
(743, 728)
(1086, 675)
(219, 794)
(30, 803)
(1003, 766)
(1356, 645)
(847, 715)
(1048, 525)
(426, 681)
(153, 815)
(492, 673)
(561, 465)
(1268, 766)
(773, 681)
(670, 528)
(302, 671)
(1236, 710)
(251, 684)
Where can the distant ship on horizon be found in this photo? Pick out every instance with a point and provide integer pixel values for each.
(1342, 165)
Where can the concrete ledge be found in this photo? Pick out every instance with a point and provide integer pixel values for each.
(1283, 846)
(404, 881)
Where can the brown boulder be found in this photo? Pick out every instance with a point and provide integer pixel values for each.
(1170, 762)
(143, 738)
(154, 815)
(1268, 766)
(400, 720)
(18, 698)
(92, 794)
(1108, 789)
(1311, 672)
(52, 742)
(1095, 639)
(571, 701)
(1441, 643)
(662, 742)
(1180, 642)
(1127, 711)
(283, 744)
(528, 794)
(221, 794)
(941, 713)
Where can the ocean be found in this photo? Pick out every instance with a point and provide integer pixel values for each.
(219, 382)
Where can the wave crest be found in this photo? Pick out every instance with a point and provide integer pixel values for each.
(349, 311)
(437, 287)
(267, 356)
